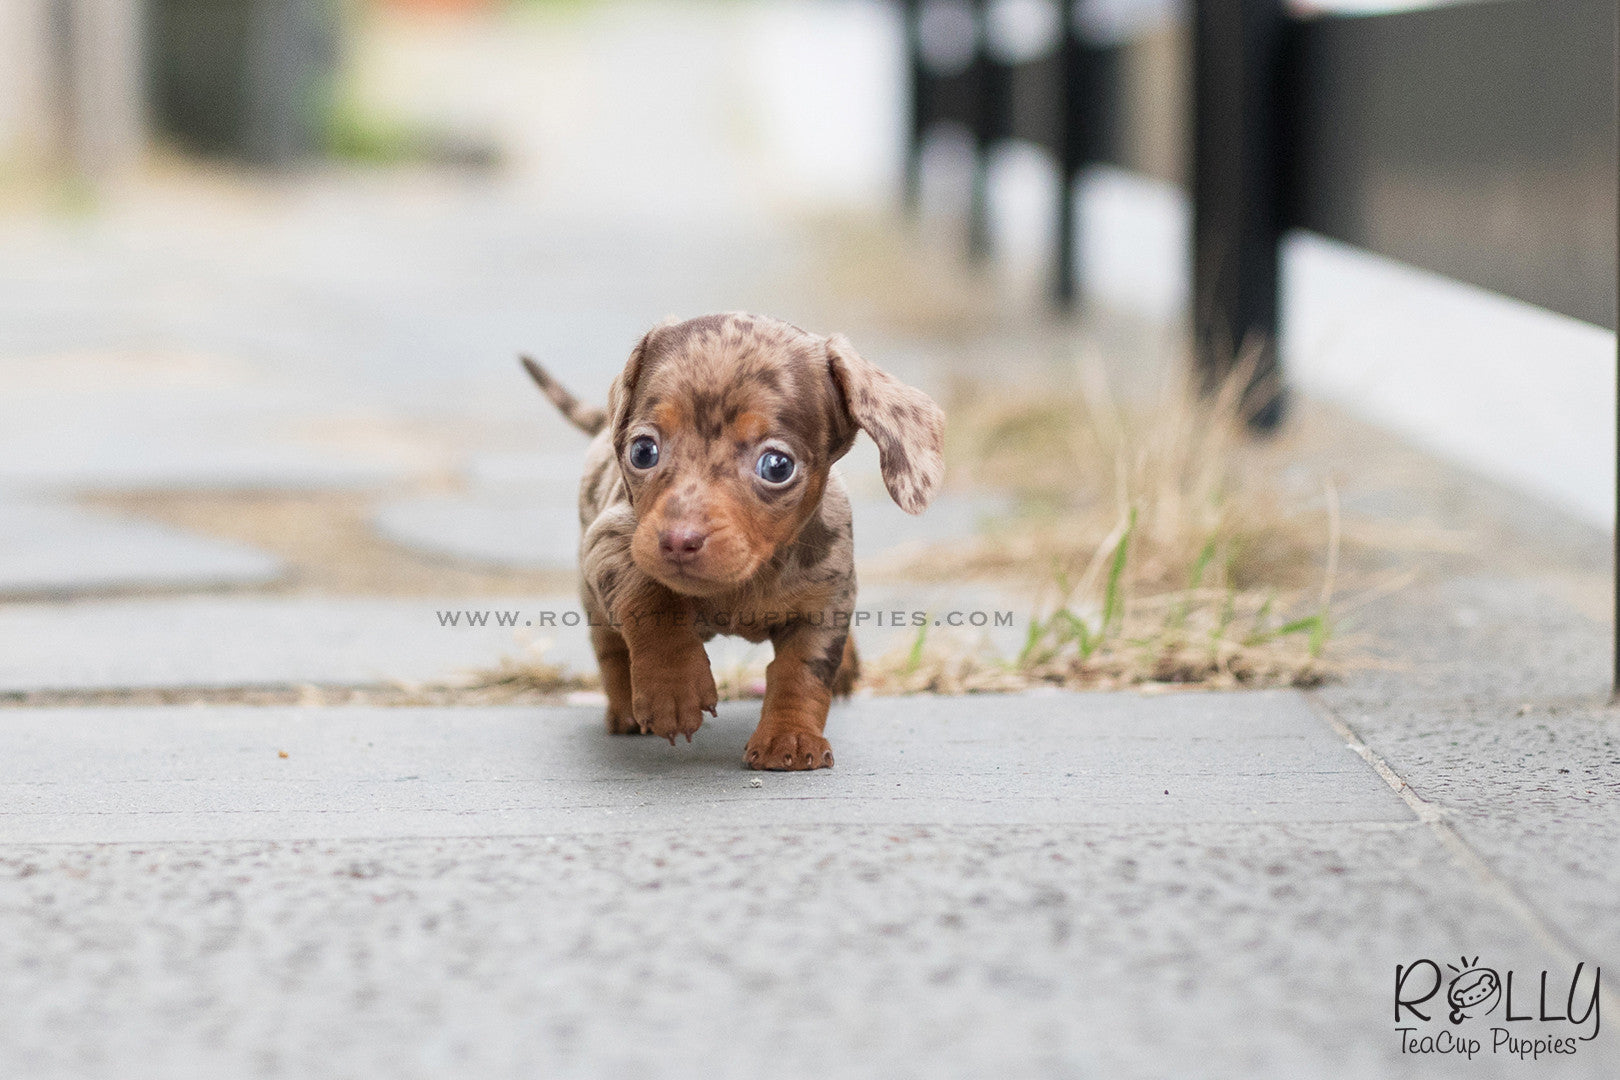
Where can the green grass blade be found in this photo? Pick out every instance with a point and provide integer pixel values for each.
(1032, 640)
(914, 658)
(1201, 566)
(1113, 594)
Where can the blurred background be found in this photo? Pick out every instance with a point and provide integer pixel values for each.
(266, 265)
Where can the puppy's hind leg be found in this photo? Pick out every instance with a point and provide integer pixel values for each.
(613, 660)
(849, 671)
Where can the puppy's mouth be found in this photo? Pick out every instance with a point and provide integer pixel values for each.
(709, 574)
(691, 580)
(694, 579)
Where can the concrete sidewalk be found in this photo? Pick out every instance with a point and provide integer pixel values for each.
(185, 773)
(1054, 885)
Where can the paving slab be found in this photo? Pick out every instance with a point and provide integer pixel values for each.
(399, 294)
(217, 773)
(220, 462)
(1536, 791)
(1492, 703)
(268, 641)
(119, 418)
(516, 529)
(62, 550)
(521, 510)
(1506, 638)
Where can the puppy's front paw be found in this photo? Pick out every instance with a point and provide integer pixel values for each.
(669, 695)
(622, 723)
(783, 750)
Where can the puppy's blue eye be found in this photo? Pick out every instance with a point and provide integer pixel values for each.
(774, 467)
(644, 452)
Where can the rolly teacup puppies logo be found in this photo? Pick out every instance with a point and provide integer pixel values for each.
(1475, 992)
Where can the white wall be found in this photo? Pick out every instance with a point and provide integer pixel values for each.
(1511, 390)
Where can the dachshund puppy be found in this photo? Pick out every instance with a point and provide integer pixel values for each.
(710, 505)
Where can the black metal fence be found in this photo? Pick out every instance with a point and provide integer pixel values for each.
(1475, 139)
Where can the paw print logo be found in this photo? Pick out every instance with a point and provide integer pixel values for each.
(1474, 991)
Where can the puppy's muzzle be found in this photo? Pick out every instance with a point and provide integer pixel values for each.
(680, 545)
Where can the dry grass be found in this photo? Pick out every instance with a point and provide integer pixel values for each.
(1199, 496)
(1167, 547)
(529, 677)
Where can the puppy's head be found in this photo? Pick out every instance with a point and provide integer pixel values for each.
(725, 428)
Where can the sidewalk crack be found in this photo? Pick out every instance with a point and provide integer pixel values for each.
(1434, 817)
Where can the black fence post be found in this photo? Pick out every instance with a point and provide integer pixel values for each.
(1072, 137)
(988, 122)
(1237, 205)
(917, 118)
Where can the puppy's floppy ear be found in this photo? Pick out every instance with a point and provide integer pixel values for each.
(623, 390)
(907, 426)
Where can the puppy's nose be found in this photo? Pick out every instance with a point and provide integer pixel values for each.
(681, 543)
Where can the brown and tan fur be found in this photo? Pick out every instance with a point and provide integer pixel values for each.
(699, 544)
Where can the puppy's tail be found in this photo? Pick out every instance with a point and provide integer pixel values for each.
(587, 418)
